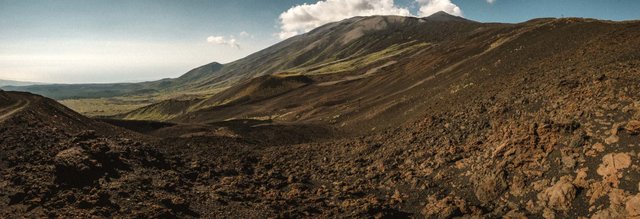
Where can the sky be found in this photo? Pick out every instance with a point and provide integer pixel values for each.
(104, 41)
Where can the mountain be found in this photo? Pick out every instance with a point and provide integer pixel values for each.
(444, 16)
(356, 36)
(369, 72)
(362, 43)
(370, 117)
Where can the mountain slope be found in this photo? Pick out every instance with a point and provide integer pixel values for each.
(57, 163)
(381, 89)
(336, 41)
(363, 44)
(260, 88)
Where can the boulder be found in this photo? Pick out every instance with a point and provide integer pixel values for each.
(633, 206)
(490, 187)
(74, 166)
(633, 127)
(560, 195)
(74, 159)
(447, 207)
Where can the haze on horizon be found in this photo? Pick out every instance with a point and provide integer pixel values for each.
(76, 41)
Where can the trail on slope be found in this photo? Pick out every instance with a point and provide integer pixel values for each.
(19, 105)
(357, 77)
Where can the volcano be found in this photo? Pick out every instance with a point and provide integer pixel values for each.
(380, 116)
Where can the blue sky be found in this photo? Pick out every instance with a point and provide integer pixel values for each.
(81, 41)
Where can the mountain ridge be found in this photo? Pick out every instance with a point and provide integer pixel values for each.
(478, 42)
(4, 83)
(241, 69)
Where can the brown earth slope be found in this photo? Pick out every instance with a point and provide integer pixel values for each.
(57, 163)
(539, 119)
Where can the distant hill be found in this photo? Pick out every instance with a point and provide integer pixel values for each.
(73, 91)
(16, 83)
(81, 91)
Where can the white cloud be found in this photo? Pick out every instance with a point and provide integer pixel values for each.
(304, 18)
(216, 39)
(491, 1)
(220, 40)
(429, 7)
(244, 34)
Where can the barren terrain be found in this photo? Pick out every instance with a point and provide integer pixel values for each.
(448, 118)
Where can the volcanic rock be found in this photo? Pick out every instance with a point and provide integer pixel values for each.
(560, 195)
(447, 207)
(75, 166)
(611, 166)
(489, 187)
(633, 127)
(633, 206)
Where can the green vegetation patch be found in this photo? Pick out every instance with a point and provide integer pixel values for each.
(360, 61)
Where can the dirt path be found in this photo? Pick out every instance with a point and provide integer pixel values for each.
(14, 108)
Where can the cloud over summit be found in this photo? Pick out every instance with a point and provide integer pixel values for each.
(303, 18)
(429, 7)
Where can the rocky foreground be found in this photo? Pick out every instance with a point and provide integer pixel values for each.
(507, 156)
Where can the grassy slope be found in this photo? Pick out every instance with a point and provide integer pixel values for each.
(359, 36)
(330, 50)
(260, 88)
(437, 68)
